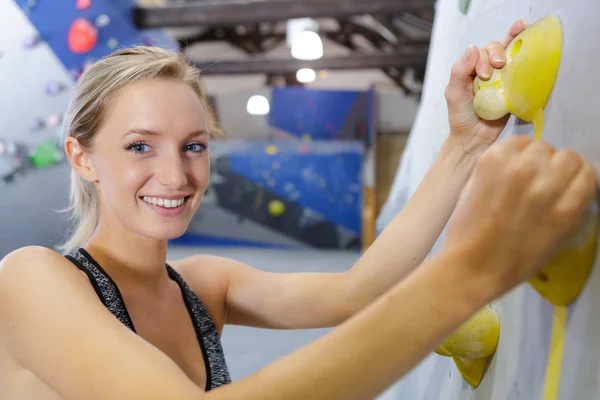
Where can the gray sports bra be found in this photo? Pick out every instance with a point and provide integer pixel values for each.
(217, 373)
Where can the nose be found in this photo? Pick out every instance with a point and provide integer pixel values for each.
(170, 170)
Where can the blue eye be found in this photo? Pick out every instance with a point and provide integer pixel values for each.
(138, 147)
(196, 147)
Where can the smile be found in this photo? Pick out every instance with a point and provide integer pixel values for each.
(165, 203)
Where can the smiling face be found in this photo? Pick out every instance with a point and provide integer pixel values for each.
(150, 158)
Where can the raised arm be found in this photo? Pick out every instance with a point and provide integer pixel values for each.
(523, 199)
(408, 238)
(317, 300)
(522, 195)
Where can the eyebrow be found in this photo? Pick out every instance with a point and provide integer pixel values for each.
(149, 132)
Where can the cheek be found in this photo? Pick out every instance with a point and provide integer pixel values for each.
(121, 181)
(201, 172)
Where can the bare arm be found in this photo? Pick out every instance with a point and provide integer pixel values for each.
(522, 195)
(318, 300)
(409, 237)
(54, 315)
(311, 300)
(372, 350)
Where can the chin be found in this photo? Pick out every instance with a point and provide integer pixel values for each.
(160, 233)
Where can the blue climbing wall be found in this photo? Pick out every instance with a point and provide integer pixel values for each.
(314, 174)
(53, 19)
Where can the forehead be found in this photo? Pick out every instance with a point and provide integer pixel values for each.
(161, 105)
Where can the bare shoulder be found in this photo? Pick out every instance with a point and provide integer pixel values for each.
(29, 273)
(31, 263)
(51, 316)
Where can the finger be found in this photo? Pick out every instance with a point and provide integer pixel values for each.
(497, 54)
(464, 69)
(484, 68)
(514, 144)
(564, 166)
(517, 27)
(460, 86)
(539, 152)
(536, 165)
(579, 192)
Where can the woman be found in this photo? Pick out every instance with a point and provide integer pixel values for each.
(137, 138)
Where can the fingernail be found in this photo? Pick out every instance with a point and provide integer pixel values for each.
(497, 59)
(469, 53)
(524, 22)
(486, 73)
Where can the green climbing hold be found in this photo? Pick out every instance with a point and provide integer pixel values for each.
(45, 155)
(464, 5)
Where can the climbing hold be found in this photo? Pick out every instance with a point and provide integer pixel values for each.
(53, 120)
(82, 37)
(306, 137)
(102, 21)
(112, 43)
(271, 149)
(83, 4)
(473, 344)
(45, 155)
(524, 85)
(36, 124)
(276, 208)
(53, 88)
(565, 276)
(32, 41)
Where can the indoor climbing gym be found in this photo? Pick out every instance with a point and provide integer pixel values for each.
(299, 200)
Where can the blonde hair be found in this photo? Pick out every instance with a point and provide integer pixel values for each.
(87, 111)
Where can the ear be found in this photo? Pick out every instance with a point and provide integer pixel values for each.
(80, 160)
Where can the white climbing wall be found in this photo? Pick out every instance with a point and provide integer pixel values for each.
(518, 370)
(27, 206)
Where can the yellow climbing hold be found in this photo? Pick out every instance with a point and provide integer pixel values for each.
(472, 344)
(276, 208)
(523, 86)
(271, 149)
(565, 276)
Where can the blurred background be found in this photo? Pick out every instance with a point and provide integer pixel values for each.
(316, 97)
(316, 101)
(334, 111)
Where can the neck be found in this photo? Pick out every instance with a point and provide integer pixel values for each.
(131, 260)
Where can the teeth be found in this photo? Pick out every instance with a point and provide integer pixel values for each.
(166, 203)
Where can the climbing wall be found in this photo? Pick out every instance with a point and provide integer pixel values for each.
(539, 356)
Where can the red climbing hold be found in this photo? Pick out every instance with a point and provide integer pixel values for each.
(83, 4)
(83, 36)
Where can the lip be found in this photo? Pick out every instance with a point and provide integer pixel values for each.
(168, 212)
